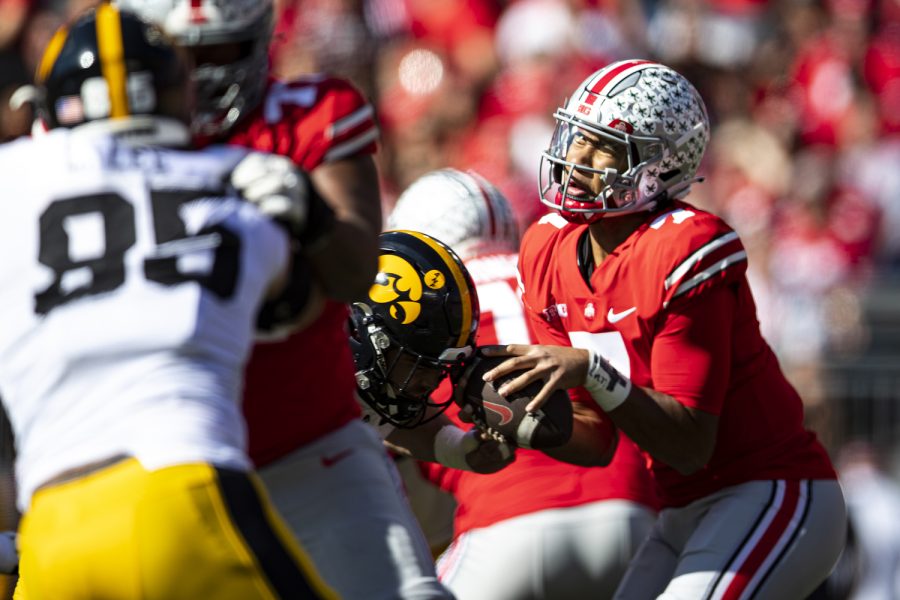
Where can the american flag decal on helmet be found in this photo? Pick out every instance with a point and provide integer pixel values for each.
(69, 110)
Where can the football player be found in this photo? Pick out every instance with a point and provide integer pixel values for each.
(130, 285)
(640, 301)
(580, 524)
(414, 331)
(316, 457)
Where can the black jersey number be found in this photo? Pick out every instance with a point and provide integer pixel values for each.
(78, 277)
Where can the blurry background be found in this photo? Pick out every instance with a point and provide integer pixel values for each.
(804, 162)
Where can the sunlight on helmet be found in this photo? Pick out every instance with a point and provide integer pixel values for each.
(421, 72)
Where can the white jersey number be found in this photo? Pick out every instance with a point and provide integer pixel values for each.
(499, 299)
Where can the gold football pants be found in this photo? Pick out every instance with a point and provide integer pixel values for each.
(189, 531)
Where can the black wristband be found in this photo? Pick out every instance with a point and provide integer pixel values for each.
(320, 221)
(285, 308)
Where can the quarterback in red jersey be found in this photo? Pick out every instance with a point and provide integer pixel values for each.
(315, 455)
(513, 517)
(641, 301)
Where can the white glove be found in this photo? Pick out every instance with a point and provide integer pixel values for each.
(452, 444)
(276, 186)
(453, 448)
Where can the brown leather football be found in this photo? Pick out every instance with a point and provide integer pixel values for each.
(548, 427)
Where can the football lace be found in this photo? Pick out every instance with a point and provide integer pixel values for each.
(495, 435)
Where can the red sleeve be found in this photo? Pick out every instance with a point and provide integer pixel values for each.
(444, 477)
(691, 356)
(340, 125)
(311, 120)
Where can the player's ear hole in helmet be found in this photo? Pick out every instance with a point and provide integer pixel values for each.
(416, 326)
(116, 71)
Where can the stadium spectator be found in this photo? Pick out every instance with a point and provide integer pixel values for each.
(315, 455)
(555, 529)
(641, 301)
(130, 291)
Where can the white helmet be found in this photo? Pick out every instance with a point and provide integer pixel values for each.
(658, 118)
(225, 92)
(460, 209)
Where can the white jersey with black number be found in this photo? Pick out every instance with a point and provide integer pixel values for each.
(129, 285)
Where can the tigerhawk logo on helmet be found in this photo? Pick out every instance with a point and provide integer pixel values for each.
(423, 309)
(656, 120)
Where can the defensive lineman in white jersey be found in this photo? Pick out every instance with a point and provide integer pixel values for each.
(130, 285)
(130, 297)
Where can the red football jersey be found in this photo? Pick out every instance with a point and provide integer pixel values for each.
(301, 388)
(534, 481)
(630, 314)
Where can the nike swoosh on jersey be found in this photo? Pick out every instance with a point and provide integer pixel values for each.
(614, 317)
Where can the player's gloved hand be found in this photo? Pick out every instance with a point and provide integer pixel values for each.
(471, 450)
(492, 454)
(284, 192)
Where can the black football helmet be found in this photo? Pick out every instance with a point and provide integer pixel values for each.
(423, 305)
(120, 71)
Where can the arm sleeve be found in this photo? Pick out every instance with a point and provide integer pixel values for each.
(691, 355)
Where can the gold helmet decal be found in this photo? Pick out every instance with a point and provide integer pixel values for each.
(398, 285)
(435, 279)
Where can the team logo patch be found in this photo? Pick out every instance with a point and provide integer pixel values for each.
(398, 285)
(435, 279)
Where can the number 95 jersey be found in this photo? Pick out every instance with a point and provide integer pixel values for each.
(129, 287)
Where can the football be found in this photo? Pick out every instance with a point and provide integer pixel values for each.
(548, 427)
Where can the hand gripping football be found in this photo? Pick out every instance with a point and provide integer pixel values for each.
(548, 427)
